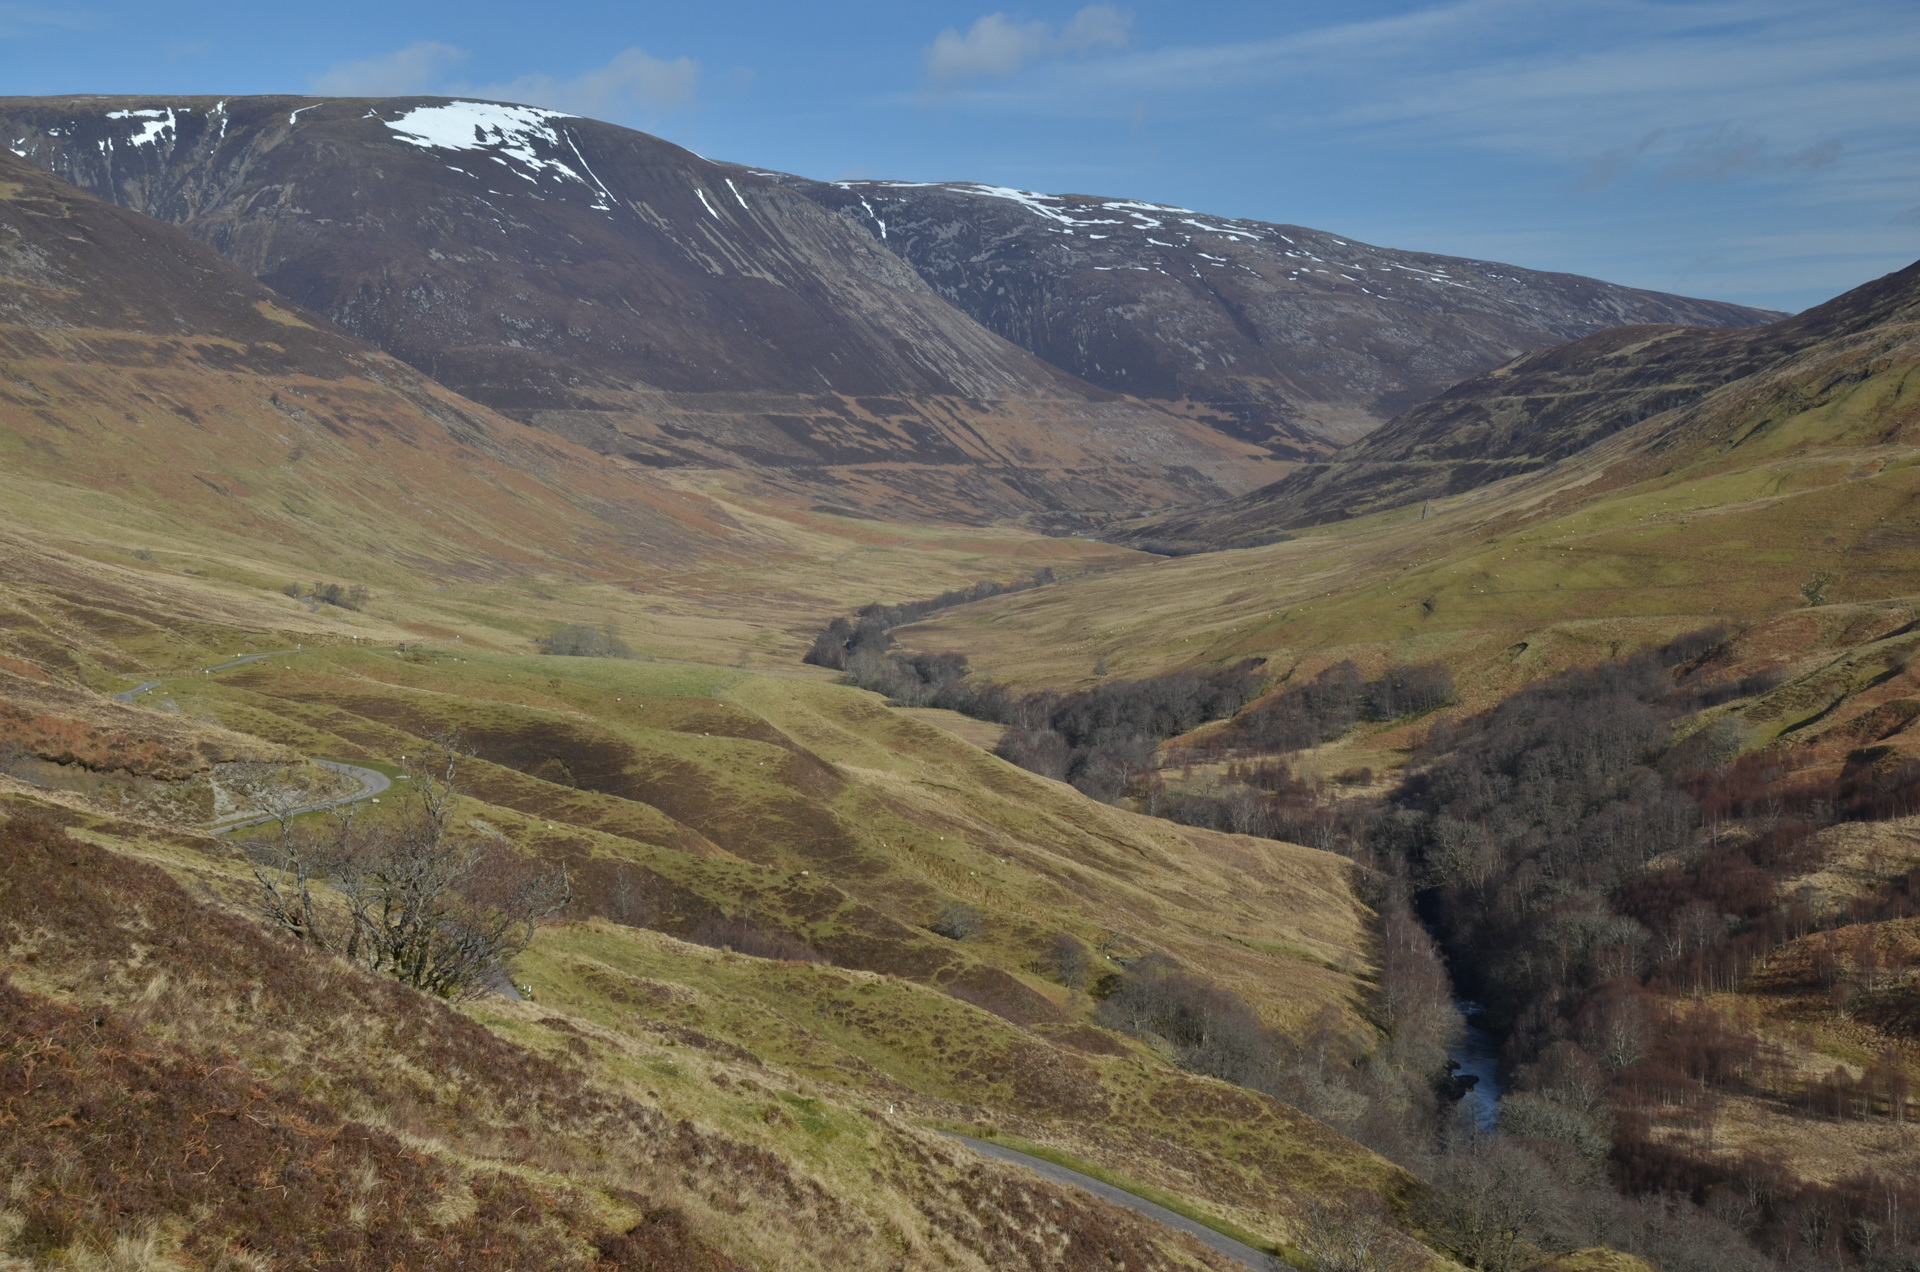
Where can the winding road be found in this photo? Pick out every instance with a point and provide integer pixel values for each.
(128, 695)
(1239, 1251)
(372, 782)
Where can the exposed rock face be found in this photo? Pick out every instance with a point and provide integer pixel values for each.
(1292, 338)
(1530, 413)
(632, 296)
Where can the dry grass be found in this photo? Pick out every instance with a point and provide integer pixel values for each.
(398, 1121)
(1666, 526)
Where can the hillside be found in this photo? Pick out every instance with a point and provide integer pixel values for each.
(1722, 509)
(632, 297)
(747, 1041)
(1522, 417)
(1292, 338)
(786, 941)
(1665, 827)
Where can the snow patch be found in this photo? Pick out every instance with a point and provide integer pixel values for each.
(736, 195)
(509, 134)
(1214, 227)
(703, 203)
(154, 124)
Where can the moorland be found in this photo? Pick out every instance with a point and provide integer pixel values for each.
(779, 772)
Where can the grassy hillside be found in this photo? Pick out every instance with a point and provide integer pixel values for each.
(180, 447)
(1776, 1060)
(1797, 480)
(1521, 417)
(680, 793)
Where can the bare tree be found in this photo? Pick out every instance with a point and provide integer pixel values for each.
(1069, 960)
(1349, 1235)
(441, 911)
(285, 864)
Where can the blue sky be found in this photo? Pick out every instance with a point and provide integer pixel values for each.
(1752, 150)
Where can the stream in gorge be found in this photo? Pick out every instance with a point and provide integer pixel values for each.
(1476, 1056)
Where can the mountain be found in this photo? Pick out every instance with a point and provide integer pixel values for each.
(1288, 337)
(1792, 488)
(1522, 417)
(149, 376)
(746, 1044)
(631, 296)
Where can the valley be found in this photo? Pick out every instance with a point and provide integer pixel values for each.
(1525, 647)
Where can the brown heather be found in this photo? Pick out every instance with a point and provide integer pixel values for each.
(170, 1067)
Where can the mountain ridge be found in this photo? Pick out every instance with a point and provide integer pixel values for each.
(696, 317)
(1521, 418)
(646, 302)
(1290, 337)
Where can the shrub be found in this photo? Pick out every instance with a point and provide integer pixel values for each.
(957, 921)
(1211, 1030)
(742, 937)
(436, 910)
(334, 594)
(577, 640)
(1069, 961)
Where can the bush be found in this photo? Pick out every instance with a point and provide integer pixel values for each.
(1211, 1030)
(1068, 961)
(957, 921)
(1324, 708)
(742, 937)
(435, 909)
(576, 640)
(334, 594)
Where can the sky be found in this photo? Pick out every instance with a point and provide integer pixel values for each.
(1760, 151)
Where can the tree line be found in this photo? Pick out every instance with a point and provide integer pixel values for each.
(1105, 739)
(1590, 861)
(867, 632)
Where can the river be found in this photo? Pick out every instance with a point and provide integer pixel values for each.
(1477, 1057)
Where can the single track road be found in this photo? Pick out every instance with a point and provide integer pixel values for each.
(1239, 1251)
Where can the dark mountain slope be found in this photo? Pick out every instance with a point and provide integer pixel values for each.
(1528, 414)
(143, 367)
(1286, 336)
(629, 295)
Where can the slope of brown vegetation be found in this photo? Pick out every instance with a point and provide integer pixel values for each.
(180, 1076)
(1291, 337)
(637, 299)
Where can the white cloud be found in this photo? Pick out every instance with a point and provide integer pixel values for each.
(992, 46)
(418, 68)
(1098, 26)
(27, 19)
(634, 81)
(996, 46)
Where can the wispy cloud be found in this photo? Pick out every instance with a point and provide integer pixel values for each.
(996, 46)
(28, 19)
(633, 82)
(1792, 129)
(1581, 83)
(1730, 151)
(418, 68)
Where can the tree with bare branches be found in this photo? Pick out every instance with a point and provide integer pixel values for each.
(413, 898)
